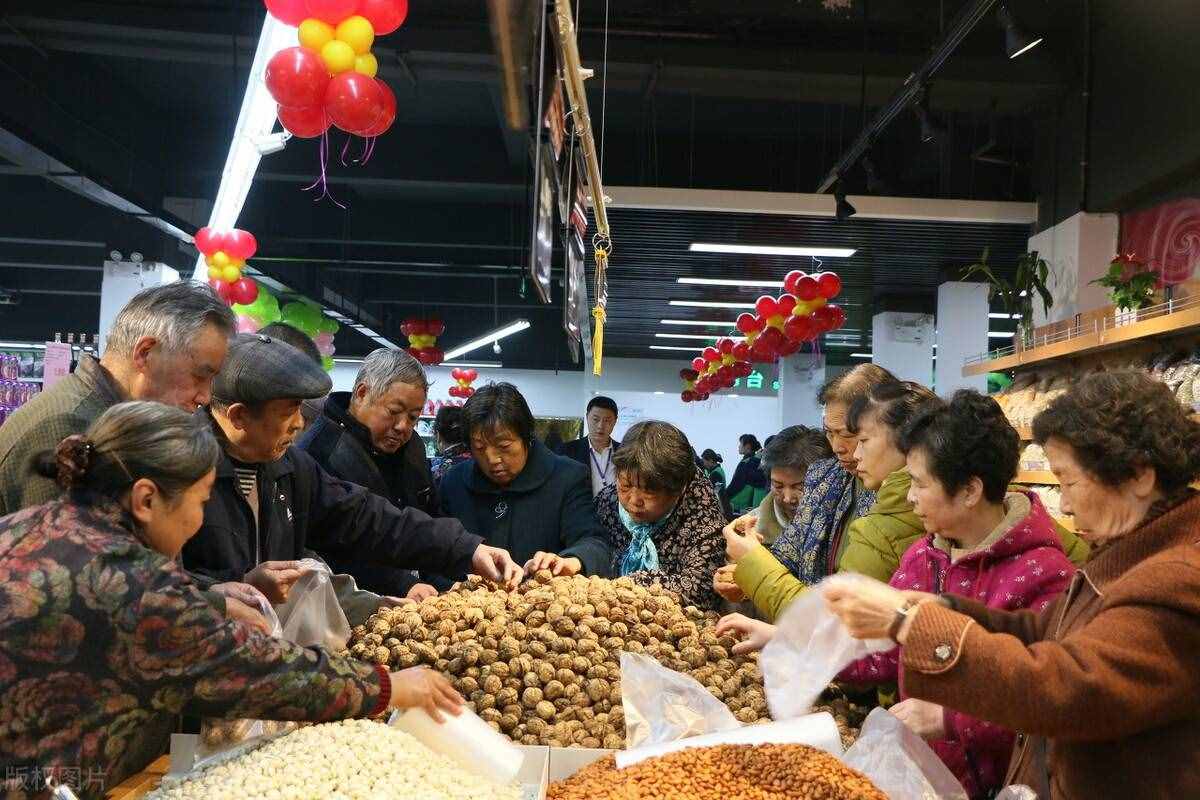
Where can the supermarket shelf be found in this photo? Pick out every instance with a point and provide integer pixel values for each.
(1026, 434)
(1176, 317)
(1044, 478)
(141, 784)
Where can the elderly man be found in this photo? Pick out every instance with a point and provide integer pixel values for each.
(368, 436)
(272, 505)
(166, 344)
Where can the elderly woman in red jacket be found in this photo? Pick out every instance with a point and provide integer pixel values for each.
(1102, 686)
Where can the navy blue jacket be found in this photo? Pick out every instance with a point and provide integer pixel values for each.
(548, 507)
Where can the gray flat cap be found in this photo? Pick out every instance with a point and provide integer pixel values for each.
(259, 368)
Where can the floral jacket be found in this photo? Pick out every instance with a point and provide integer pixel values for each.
(103, 642)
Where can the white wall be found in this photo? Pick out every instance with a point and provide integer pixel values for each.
(962, 332)
(903, 343)
(1078, 251)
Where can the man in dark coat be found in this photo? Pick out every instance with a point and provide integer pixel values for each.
(272, 505)
(368, 436)
(520, 496)
(595, 450)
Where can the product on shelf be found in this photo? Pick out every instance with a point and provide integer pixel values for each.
(353, 760)
(1033, 459)
(765, 772)
(542, 664)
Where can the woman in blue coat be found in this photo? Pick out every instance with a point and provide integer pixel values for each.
(517, 494)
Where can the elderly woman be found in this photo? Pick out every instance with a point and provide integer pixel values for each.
(104, 640)
(516, 491)
(1103, 685)
(663, 515)
(785, 462)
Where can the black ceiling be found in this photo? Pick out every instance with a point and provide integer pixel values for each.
(141, 97)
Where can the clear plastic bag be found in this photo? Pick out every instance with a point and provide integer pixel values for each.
(662, 705)
(900, 763)
(1017, 792)
(312, 616)
(810, 647)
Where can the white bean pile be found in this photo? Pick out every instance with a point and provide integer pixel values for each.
(350, 760)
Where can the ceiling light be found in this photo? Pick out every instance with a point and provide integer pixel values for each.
(479, 364)
(843, 344)
(862, 355)
(665, 347)
(700, 323)
(271, 143)
(931, 129)
(488, 338)
(842, 208)
(699, 336)
(708, 304)
(733, 395)
(995, 315)
(660, 392)
(731, 282)
(1001, 334)
(771, 250)
(1017, 40)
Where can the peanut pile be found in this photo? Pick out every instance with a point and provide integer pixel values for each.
(746, 772)
(541, 664)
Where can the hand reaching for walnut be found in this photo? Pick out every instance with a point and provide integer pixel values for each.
(556, 564)
(420, 687)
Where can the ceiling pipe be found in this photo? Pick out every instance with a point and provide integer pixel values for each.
(959, 29)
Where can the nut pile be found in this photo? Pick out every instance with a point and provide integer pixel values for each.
(542, 664)
(747, 772)
(351, 760)
(847, 714)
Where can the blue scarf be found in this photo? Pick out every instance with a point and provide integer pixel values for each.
(642, 553)
(829, 495)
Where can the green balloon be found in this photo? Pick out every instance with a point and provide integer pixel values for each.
(328, 325)
(327, 363)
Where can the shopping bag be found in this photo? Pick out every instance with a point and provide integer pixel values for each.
(900, 763)
(312, 616)
(810, 647)
(662, 705)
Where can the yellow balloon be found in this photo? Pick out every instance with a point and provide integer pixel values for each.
(220, 259)
(751, 337)
(803, 309)
(240, 263)
(338, 57)
(214, 274)
(776, 322)
(727, 360)
(315, 34)
(815, 304)
(357, 32)
(366, 64)
(231, 274)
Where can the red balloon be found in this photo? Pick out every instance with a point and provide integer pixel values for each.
(801, 329)
(699, 364)
(761, 353)
(772, 339)
(439, 355)
(791, 280)
(748, 323)
(452, 391)
(289, 12)
(786, 303)
(470, 375)
(222, 289)
(208, 241)
(711, 354)
(385, 16)
(240, 244)
(389, 112)
(725, 346)
(725, 375)
(807, 288)
(743, 368)
(303, 122)
(331, 11)
(354, 102)
(687, 395)
(829, 284)
(741, 351)
(434, 327)
(829, 318)
(297, 77)
(766, 306)
(413, 327)
(243, 291)
(469, 391)
(456, 373)
(790, 348)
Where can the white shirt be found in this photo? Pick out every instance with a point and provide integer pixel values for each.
(603, 472)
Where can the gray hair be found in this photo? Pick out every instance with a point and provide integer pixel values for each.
(173, 314)
(795, 448)
(386, 366)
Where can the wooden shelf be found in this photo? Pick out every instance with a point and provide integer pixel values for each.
(1026, 434)
(141, 784)
(1184, 321)
(1043, 478)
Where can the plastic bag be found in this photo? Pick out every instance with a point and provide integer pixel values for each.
(662, 705)
(810, 647)
(900, 763)
(312, 616)
(1017, 792)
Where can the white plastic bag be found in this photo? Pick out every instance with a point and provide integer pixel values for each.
(900, 763)
(810, 647)
(662, 705)
(1017, 792)
(312, 615)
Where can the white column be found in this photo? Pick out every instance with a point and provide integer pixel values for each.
(903, 343)
(122, 280)
(962, 332)
(800, 379)
(1078, 251)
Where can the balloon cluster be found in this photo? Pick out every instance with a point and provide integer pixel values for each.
(463, 378)
(422, 339)
(717, 368)
(330, 77)
(781, 325)
(305, 317)
(226, 254)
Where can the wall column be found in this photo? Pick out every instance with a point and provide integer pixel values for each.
(903, 343)
(122, 280)
(962, 332)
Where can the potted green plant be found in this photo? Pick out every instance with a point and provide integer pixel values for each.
(1018, 295)
(1131, 286)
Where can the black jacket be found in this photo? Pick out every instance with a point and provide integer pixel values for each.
(548, 507)
(342, 446)
(580, 450)
(303, 508)
(748, 473)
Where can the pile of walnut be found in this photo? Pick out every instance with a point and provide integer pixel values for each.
(762, 772)
(542, 664)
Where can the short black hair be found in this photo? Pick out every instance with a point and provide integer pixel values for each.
(795, 447)
(750, 439)
(600, 401)
(969, 437)
(711, 455)
(289, 334)
(448, 425)
(496, 406)
(657, 456)
(895, 403)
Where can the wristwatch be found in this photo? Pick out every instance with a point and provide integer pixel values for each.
(902, 613)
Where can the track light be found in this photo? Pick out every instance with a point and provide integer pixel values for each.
(1017, 41)
(931, 129)
(842, 210)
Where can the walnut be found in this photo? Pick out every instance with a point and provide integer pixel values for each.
(545, 672)
(538, 649)
(598, 671)
(531, 697)
(543, 576)
(507, 697)
(565, 676)
(717, 653)
(373, 640)
(597, 689)
(490, 715)
(747, 716)
(614, 742)
(429, 614)
(545, 710)
(508, 722)
(554, 689)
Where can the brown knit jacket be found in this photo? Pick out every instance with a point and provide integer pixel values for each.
(1104, 685)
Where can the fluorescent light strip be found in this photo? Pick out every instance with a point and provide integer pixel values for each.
(700, 323)
(769, 250)
(730, 282)
(685, 349)
(843, 344)
(478, 364)
(709, 304)
(699, 336)
(660, 392)
(995, 315)
(1001, 334)
(487, 338)
(1027, 48)
(862, 355)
